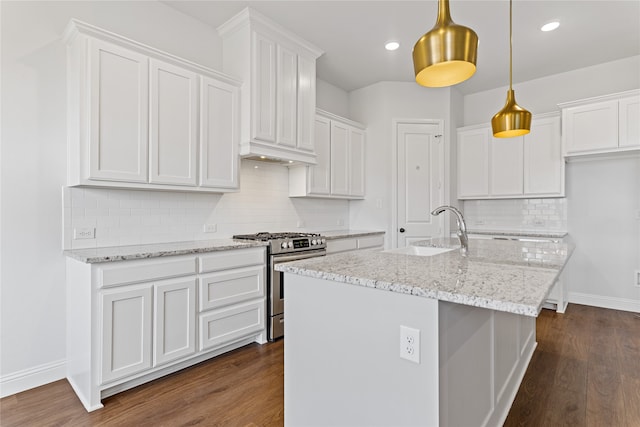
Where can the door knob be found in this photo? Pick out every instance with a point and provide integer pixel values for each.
(402, 230)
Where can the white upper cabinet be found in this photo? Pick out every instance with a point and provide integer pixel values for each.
(118, 111)
(278, 70)
(174, 124)
(600, 125)
(473, 162)
(137, 117)
(340, 168)
(525, 166)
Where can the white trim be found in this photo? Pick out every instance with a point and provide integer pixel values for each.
(608, 97)
(624, 304)
(32, 377)
(394, 172)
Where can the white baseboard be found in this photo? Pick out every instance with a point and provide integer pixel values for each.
(32, 377)
(624, 304)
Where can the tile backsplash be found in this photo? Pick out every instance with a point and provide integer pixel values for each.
(130, 217)
(516, 214)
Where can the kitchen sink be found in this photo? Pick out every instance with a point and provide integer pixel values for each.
(419, 250)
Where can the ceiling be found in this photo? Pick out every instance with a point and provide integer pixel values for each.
(353, 33)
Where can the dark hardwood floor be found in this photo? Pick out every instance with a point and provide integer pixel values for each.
(584, 372)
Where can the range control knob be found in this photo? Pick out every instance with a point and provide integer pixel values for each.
(314, 242)
(324, 241)
(290, 244)
(284, 245)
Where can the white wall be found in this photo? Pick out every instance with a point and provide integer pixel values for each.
(332, 99)
(593, 277)
(32, 322)
(376, 106)
(544, 94)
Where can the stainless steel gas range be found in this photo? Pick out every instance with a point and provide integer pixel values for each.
(283, 247)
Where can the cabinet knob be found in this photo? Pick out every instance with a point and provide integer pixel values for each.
(402, 230)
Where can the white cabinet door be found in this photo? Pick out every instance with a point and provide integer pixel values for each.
(306, 103)
(118, 113)
(173, 125)
(219, 134)
(339, 159)
(126, 331)
(174, 320)
(473, 163)
(356, 163)
(320, 173)
(263, 107)
(629, 122)
(591, 127)
(543, 162)
(287, 97)
(228, 324)
(505, 166)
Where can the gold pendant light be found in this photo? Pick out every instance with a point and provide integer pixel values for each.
(512, 120)
(446, 55)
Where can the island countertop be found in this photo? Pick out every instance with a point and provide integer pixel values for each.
(510, 276)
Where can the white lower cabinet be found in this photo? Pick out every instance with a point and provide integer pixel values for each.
(126, 331)
(347, 244)
(129, 322)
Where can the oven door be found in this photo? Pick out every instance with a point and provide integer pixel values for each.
(276, 290)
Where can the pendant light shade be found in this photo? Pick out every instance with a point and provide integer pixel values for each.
(446, 55)
(512, 120)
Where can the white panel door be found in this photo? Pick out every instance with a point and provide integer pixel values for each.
(126, 329)
(543, 162)
(473, 163)
(263, 105)
(287, 97)
(356, 163)
(219, 134)
(505, 166)
(591, 127)
(629, 122)
(119, 113)
(173, 125)
(174, 319)
(339, 159)
(420, 157)
(306, 103)
(320, 173)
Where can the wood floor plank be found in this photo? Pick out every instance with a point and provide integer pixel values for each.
(584, 372)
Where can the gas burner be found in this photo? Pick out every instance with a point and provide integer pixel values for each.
(265, 236)
(287, 242)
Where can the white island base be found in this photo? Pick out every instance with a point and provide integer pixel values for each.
(343, 365)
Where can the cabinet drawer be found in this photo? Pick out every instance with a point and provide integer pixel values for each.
(225, 260)
(230, 287)
(370, 242)
(230, 324)
(145, 270)
(341, 245)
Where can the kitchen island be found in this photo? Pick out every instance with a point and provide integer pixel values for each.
(472, 322)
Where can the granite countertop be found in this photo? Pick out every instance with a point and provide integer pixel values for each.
(345, 234)
(521, 233)
(122, 253)
(510, 276)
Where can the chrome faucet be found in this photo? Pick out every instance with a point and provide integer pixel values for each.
(462, 227)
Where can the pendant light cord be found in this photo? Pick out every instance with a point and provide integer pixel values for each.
(510, 44)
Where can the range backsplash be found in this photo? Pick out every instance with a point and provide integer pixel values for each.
(516, 214)
(130, 217)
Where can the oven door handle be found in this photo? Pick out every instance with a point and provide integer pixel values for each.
(278, 259)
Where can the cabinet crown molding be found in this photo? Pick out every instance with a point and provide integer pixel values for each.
(249, 16)
(76, 27)
(332, 116)
(608, 97)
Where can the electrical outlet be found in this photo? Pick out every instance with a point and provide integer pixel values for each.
(300, 224)
(210, 228)
(479, 222)
(637, 278)
(379, 203)
(538, 222)
(84, 233)
(410, 344)
(340, 222)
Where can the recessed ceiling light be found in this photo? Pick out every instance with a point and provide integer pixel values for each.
(550, 26)
(392, 45)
